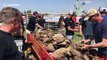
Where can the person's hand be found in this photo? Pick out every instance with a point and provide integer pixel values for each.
(76, 30)
(85, 41)
(76, 27)
(84, 46)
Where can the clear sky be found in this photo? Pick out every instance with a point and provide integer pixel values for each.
(51, 5)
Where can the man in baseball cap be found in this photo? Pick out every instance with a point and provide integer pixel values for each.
(99, 32)
(90, 13)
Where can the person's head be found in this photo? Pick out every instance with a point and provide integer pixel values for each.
(61, 21)
(35, 13)
(93, 15)
(83, 15)
(41, 16)
(69, 15)
(103, 11)
(74, 14)
(61, 18)
(11, 18)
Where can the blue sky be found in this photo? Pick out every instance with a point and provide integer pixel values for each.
(51, 5)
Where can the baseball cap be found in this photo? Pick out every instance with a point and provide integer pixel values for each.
(103, 10)
(71, 12)
(90, 13)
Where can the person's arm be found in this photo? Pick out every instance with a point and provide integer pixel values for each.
(101, 44)
(44, 23)
(80, 30)
(104, 37)
(67, 22)
(97, 45)
(39, 26)
(70, 29)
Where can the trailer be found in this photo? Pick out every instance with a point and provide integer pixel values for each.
(41, 53)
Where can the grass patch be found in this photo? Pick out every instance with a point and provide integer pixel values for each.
(76, 38)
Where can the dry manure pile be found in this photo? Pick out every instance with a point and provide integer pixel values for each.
(62, 49)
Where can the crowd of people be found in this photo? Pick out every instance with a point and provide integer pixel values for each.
(91, 26)
(12, 41)
(99, 24)
(36, 21)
